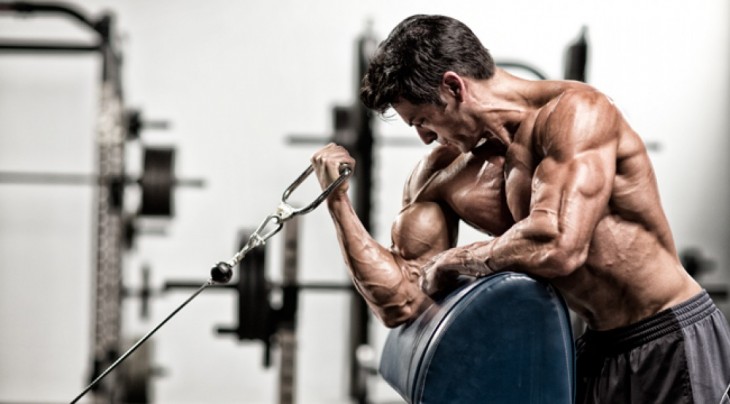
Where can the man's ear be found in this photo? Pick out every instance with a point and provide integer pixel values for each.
(452, 85)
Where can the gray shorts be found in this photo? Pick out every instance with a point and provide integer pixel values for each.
(680, 355)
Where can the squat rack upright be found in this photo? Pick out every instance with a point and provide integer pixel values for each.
(110, 157)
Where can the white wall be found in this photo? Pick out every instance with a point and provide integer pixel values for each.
(235, 79)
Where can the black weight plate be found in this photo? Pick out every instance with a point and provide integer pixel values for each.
(254, 306)
(157, 182)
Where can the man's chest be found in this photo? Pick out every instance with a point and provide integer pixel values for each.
(475, 191)
(519, 168)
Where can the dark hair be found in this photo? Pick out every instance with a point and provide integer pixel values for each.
(410, 63)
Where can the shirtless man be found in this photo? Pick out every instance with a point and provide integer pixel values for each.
(553, 171)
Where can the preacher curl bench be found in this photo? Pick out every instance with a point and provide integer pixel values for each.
(504, 338)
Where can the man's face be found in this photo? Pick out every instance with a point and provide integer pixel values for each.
(440, 123)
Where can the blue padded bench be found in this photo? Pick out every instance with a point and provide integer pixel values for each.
(505, 338)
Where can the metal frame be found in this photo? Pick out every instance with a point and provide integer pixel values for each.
(110, 142)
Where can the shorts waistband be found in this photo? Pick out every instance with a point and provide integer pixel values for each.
(663, 323)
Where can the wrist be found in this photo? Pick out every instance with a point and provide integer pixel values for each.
(488, 261)
(474, 263)
(487, 264)
(337, 199)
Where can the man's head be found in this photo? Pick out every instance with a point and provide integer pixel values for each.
(411, 62)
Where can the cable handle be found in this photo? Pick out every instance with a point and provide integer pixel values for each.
(345, 172)
(222, 272)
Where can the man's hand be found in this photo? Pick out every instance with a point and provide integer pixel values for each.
(441, 273)
(327, 162)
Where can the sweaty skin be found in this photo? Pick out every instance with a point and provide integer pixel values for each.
(553, 171)
(433, 203)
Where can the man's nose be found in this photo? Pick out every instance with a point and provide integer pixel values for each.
(427, 136)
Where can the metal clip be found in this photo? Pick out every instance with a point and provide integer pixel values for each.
(285, 212)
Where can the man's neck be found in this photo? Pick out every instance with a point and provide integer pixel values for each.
(501, 104)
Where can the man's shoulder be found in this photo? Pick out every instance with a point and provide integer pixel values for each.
(581, 110)
(578, 99)
(439, 158)
(430, 165)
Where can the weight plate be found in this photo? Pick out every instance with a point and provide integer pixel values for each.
(157, 182)
(254, 293)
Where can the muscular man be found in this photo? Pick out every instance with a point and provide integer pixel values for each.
(557, 175)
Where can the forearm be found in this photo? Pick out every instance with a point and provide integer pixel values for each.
(532, 246)
(386, 282)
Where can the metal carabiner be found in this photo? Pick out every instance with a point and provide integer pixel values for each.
(261, 239)
(283, 213)
(254, 240)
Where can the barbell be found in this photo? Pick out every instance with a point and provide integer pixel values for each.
(156, 182)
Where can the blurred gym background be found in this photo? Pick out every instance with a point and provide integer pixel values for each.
(244, 92)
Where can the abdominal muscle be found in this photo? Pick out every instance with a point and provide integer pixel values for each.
(628, 276)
